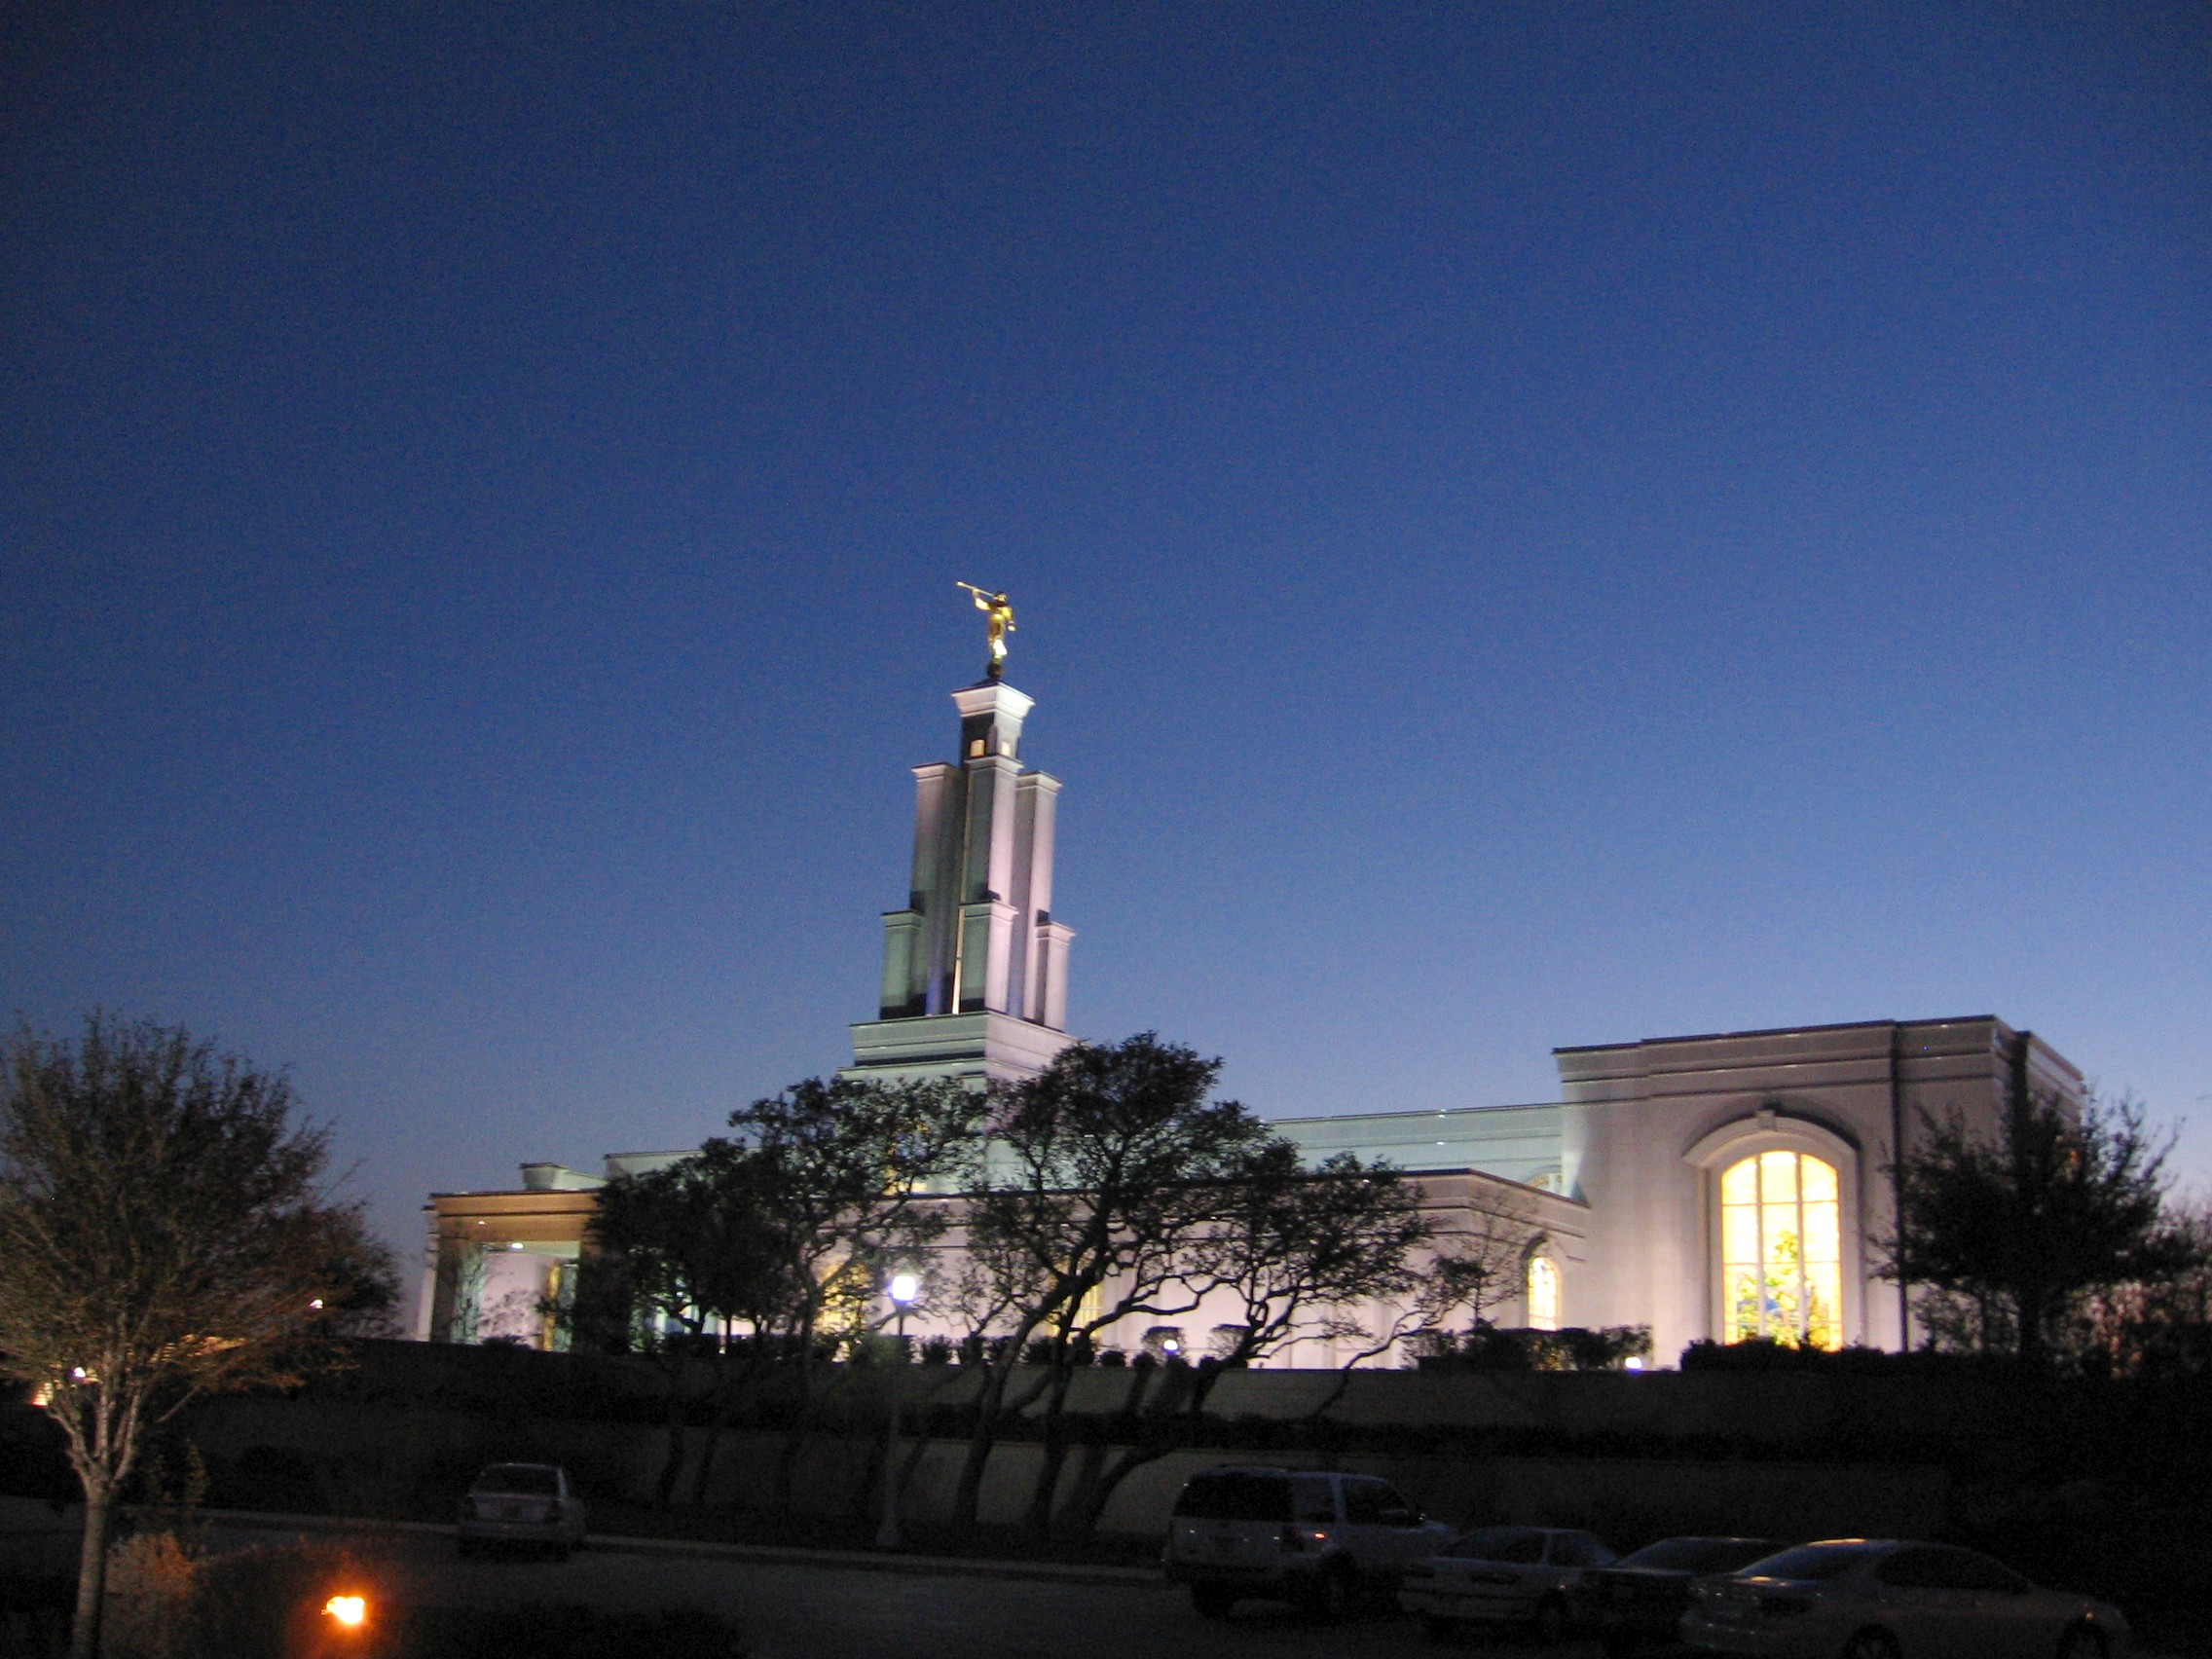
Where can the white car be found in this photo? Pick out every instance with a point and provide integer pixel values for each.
(1499, 1576)
(1888, 1599)
(1327, 1541)
(520, 1504)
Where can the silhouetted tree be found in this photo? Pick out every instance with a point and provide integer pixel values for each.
(674, 1252)
(165, 1232)
(783, 1231)
(2002, 1238)
(1340, 1252)
(1099, 1179)
(845, 1166)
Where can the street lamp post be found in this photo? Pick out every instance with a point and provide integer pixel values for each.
(903, 1290)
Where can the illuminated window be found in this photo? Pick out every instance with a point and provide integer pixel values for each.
(1543, 1293)
(1781, 1250)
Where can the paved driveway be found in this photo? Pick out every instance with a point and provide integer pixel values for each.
(810, 1611)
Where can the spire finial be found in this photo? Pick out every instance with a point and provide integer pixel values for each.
(1000, 609)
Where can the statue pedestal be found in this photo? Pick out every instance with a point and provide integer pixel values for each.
(983, 1046)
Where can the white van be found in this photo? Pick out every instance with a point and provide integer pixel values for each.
(1326, 1541)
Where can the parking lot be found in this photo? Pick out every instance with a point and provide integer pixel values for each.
(859, 1608)
(792, 1610)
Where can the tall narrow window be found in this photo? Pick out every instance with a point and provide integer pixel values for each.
(1543, 1293)
(1781, 1250)
(1092, 1305)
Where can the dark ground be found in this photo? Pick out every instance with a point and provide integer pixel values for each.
(791, 1610)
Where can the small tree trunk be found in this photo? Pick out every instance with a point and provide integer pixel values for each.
(1039, 1520)
(724, 1410)
(966, 1496)
(672, 1465)
(802, 1430)
(1155, 1438)
(991, 1410)
(92, 1575)
(2033, 1311)
(1080, 1498)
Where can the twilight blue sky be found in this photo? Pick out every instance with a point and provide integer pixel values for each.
(1532, 524)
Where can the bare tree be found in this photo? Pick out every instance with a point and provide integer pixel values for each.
(165, 1232)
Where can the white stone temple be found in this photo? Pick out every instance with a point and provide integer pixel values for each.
(1716, 1185)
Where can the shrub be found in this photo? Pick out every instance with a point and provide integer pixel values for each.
(1765, 1353)
(151, 1580)
(1490, 1347)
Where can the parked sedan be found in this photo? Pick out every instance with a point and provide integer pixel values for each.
(1885, 1599)
(522, 1504)
(1640, 1600)
(1502, 1575)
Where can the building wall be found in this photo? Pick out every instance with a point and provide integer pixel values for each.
(1648, 1126)
(1621, 1175)
(494, 1257)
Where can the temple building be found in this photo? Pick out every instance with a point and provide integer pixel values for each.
(1720, 1185)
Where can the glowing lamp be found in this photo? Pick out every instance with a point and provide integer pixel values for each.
(905, 1287)
(347, 1611)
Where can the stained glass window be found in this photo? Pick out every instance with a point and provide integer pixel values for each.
(1543, 1293)
(1781, 1250)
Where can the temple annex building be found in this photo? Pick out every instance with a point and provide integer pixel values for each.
(1719, 1186)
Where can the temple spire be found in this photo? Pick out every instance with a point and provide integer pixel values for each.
(974, 968)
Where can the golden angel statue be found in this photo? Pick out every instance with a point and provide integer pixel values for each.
(1000, 609)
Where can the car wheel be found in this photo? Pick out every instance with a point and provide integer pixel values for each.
(1441, 1630)
(1550, 1622)
(470, 1549)
(1873, 1642)
(1619, 1647)
(2082, 1641)
(1214, 1600)
(1330, 1600)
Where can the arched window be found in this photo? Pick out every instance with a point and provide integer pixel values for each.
(1782, 1249)
(1543, 1293)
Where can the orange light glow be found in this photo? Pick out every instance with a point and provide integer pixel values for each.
(347, 1611)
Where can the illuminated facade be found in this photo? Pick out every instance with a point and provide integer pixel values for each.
(1720, 1187)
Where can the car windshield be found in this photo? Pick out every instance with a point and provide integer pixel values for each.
(1517, 1545)
(530, 1480)
(1235, 1494)
(1698, 1555)
(1810, 1562)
